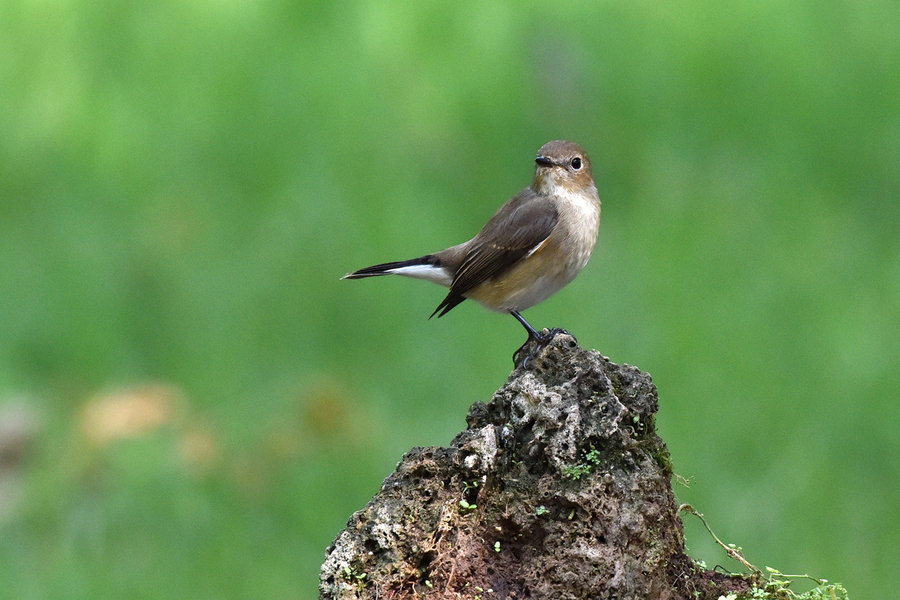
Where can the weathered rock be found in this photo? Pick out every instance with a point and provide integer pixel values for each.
(559, 488)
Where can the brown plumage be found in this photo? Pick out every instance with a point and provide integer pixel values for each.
(532, 247)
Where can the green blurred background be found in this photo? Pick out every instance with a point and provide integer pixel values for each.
(192, 404)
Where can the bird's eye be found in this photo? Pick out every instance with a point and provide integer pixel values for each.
(576, 163)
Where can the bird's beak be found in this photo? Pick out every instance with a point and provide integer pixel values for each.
(543, 161)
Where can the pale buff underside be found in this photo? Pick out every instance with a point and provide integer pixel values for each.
(548, 268)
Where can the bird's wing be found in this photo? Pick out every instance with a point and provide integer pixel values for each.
(520, 226)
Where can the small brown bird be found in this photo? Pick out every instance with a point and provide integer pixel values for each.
(530, 249)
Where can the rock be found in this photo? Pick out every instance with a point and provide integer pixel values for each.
(559, 488)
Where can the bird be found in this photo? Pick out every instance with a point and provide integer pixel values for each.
(532, 247)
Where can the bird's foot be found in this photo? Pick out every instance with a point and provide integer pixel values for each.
(540, 341)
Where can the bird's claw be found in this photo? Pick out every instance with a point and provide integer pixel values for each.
(541, 340)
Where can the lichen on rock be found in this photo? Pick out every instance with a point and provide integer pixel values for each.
(559, 488)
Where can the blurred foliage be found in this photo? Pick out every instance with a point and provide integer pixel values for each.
(183, 184)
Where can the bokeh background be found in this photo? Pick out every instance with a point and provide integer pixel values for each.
(192, 404)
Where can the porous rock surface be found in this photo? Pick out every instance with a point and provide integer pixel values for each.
(559, 488)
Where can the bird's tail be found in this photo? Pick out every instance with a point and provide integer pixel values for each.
(425, 267)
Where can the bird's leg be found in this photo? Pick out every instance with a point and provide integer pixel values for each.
(541, 339)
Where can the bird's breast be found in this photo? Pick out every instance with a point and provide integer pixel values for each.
(552, 264)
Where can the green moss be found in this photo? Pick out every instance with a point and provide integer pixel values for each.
(579, 470)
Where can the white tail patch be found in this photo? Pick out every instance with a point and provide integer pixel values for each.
(427, 272)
